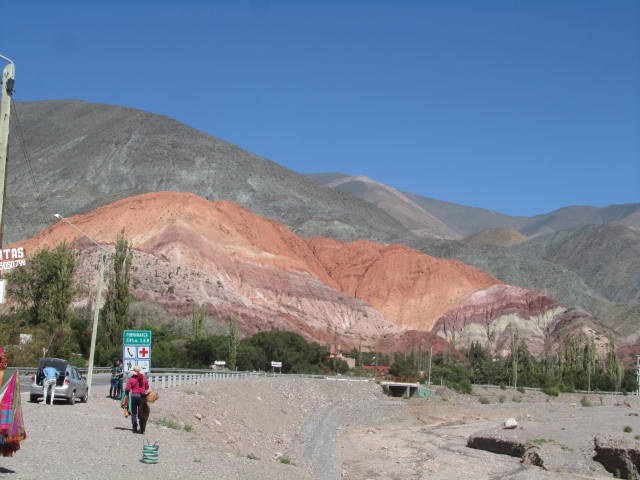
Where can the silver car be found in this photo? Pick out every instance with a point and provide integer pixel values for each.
(71, 385)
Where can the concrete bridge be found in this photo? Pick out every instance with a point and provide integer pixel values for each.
(404, 389)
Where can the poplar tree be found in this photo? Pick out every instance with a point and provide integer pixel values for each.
(115, 313)
(233, 343)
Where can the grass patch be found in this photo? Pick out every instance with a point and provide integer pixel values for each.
(628, 429)
(188, 428)
(169, 423)
(564, 448)
(484, 400)
(637, 437)
(541, 441)
(251, 456)
(284, 459)
(516, 399)
(585, 402)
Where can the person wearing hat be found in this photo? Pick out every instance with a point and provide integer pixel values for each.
(137, 386)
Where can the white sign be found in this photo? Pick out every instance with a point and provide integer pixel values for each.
(12, 258)
(3, 284)
(219, 363)
(276, 364)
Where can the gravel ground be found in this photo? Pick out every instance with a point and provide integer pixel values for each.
(303, 429)
(429, 439)
(262, 428)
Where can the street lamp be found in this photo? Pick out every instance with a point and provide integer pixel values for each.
(96, 310)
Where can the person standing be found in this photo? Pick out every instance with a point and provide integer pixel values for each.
(115, 391)
(137, 387)
(50, 379)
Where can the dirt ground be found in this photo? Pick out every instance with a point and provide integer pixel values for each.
(299, 428)
(429, 440)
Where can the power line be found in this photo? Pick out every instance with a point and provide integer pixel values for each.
(23, 147)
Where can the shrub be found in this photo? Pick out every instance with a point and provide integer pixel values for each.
(503, 386)
(551, 391)
(501, 399)
(483, 400)
(521, 389)
(284, 459)
(461, 387)
(251, 456)
(585, 402)
(628, 429)
(516, 399)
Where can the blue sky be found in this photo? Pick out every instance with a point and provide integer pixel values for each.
(521, 107)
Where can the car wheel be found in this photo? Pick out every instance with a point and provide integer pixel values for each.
(72, 398)
(33, 398)
(85, 397)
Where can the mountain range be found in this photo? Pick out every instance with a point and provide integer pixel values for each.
(427, 217)
(72, 157)
(191, 251)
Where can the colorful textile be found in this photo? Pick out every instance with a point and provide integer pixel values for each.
(12, 430)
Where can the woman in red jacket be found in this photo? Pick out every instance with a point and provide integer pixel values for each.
(137, 387)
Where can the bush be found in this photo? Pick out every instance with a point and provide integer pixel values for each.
(551, 391)
(585, 402)
(628, 429)
(484, 400)
(521, 389)
(503, 386)
(501, 399)
(517, 399)
(461, 387)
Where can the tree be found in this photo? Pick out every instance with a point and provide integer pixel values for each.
(197, 320)
(233, 343)
(115, 311)
(43, 290)
(614, 365)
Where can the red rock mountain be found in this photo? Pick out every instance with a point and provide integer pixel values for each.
(189, 250)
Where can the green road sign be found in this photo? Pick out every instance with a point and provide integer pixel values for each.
(137, 337)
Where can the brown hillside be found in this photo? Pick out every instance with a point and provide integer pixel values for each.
(410, 288)
(267, 271)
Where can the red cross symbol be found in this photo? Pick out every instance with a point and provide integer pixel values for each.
(143, 352)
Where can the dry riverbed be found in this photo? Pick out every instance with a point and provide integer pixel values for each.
(294, 428)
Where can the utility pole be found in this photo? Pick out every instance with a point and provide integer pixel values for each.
(96, 316)
(8, 76)
(96, 311)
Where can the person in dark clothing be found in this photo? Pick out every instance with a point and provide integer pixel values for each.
(136, 388)
(115, 390)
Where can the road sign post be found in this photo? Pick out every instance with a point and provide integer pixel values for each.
(136, 350)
